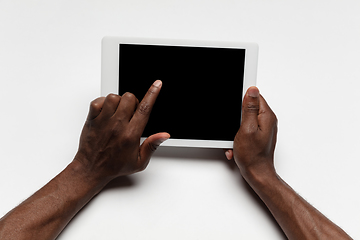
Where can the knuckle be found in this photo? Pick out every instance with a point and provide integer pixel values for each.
(95, 104)
(144, 108)
(113, 97)
(152, 90)
(128, 139)
(129, 95)
(272, 118)
(251, 108)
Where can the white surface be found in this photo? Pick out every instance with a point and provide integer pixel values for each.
(308, 72)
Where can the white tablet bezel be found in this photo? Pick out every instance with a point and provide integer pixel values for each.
(110, 73)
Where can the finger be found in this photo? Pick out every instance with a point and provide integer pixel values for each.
(264, 108)
(110, 105)
(127, 106)
(250, 109)
(143, 110)
(149, 146)
(229, 154)
(95, 107)
(266, 116)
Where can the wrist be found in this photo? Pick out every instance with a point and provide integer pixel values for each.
(86, 178)
(260, 175)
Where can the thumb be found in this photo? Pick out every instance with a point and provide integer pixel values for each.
(149, 146)
(250, 108)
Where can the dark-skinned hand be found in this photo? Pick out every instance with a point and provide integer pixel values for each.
(254, 143)
(110, 140)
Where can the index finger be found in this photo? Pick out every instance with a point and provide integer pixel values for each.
(142, 113)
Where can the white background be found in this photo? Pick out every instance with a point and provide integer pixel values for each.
(308, 72)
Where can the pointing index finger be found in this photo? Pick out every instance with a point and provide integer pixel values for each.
(142, 113)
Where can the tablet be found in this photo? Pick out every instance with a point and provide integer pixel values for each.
(203, 85)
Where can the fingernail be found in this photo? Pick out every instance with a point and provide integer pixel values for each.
(253, 92)
(164, 138)
(227, 153)
(157, 83)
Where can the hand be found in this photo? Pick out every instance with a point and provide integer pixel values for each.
(253, 152)
(255, 141)
(110, 140)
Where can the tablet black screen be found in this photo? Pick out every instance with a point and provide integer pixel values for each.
(201, 93)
